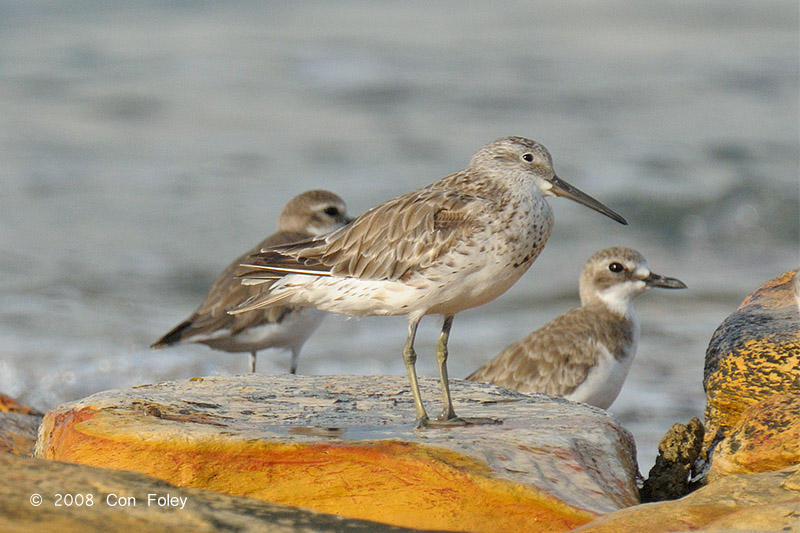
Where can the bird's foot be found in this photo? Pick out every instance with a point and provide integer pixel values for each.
(456, 421)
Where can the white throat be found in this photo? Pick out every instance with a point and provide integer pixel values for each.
(619, 297)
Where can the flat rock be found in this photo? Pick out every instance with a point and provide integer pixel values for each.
(347, 445)
(82, 499)
(753, 355)
(768, 501)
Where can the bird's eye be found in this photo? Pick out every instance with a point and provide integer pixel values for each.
(331, 211)
(616, 267)
(527, 157)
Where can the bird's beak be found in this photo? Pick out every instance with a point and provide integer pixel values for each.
(565, 190)
(655, 280)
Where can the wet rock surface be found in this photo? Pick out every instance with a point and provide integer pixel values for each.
(347, 444)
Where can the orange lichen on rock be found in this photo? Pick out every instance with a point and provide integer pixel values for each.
(402, 483)
(10, 405)
(773, 294)
(767, 501)
(766, 438)
(753, 355)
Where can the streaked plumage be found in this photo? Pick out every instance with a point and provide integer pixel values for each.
(455, 244)
(306, 215)
(584, 354)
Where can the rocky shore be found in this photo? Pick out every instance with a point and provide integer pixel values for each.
(321, 453)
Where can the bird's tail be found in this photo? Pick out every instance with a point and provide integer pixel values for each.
(259, 301)
(174, 336)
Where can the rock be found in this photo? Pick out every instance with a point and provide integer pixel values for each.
(678, 451)
(767, 437)
(18, 433)
(18, 426)
(10, 405)
(769, 501)
(347, 445)
(102, 493)
(753, 355)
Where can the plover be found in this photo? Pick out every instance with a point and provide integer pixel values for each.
(584, 354)
(455, 244)
(308, 214)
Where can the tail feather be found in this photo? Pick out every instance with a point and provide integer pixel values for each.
(173, 337)
(260, 300)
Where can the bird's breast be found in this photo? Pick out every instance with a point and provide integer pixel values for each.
(487, 264)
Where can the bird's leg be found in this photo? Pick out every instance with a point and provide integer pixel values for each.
(253, 362)
(295, 356)
(448, 413)
(410, 359)
(448, 416)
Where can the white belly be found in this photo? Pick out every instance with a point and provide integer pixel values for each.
(604, 381)
(430, 293)
(291, 333)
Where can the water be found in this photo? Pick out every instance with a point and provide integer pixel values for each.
(143, 145)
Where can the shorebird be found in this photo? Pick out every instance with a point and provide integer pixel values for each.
(307, 214)
(583, 355)
(455, 244)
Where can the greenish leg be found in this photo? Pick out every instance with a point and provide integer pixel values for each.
(410, 359)
(448, 417)
(448, 413)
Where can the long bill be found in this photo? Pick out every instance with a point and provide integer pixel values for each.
(565, 190)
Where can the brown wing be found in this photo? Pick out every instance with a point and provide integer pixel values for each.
(226, 293)
(390, 241)
(553, 359)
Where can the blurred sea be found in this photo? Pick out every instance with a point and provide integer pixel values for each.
(143, 145)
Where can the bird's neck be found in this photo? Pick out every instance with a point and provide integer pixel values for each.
(615, 299)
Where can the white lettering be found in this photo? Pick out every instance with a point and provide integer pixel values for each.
(166, 501)
(112, 500)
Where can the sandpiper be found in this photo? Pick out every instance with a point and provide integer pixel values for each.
(455, 244)
(308, 214)
(584, 354)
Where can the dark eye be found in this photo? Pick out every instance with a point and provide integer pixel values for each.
(616, 267)
(527, 157)
(331, 211)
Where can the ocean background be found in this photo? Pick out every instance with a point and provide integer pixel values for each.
(144, 145)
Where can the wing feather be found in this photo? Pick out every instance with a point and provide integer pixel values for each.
(390, 241)
(227, 292)
(553, 359)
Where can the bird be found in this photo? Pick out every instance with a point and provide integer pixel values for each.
(307, 214)
(455, 244)
(583, 355)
